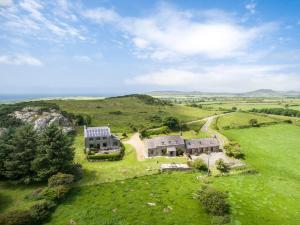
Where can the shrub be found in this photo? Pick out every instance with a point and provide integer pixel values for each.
(233, 150)
(199, 164)
(172, 123)
(41, 210)
(54, 193)
(108, 157)
(75, 170)
(253, 122)
(60, 179)
(17, 217)
(222, 166)
(213, 201)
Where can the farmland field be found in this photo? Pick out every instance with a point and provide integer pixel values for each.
(237, 119)
(272, 196)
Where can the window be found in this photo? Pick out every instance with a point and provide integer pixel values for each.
(115, 143)
(98, 138)
(91, 146)
(91, 139)
(104, 144)
(104, 138)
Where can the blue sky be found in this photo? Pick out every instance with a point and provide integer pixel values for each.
(114, 47)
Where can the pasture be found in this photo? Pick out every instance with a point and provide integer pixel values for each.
(272, 196)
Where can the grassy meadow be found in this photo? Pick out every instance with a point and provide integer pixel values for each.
(272, 196)
(123, 113)
(237, 119)
(129, 202)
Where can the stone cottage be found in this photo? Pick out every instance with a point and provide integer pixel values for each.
(201, 145)
(164, 146)
(100, 138)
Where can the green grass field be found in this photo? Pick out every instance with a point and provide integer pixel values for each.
(273, 195)
(13, 197)
(236, 119)
(126, 202)
(122, 113)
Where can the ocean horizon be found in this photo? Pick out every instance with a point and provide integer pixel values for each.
(14, 98)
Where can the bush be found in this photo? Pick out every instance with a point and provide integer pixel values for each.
(60, 179)
(17, 217)
(233, 150)
(222, 166)
(54, 193)
(75, 170)
(213, 201)
(41, 210)
(199, 164)
(108, 157)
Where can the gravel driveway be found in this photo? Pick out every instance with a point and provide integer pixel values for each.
(138, 144)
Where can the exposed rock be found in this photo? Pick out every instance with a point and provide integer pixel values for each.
(40, 119)
(151, 204)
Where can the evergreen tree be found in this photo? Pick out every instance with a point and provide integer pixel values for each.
(22, 149)
(54, 153)
(5, 148)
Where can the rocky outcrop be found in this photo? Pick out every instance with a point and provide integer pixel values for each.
(40, 119)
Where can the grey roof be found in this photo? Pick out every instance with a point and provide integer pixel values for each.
(201, 143)
(97, 132)
(164, 141)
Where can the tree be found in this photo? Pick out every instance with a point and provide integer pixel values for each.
(54, 154)
(5, 148)
(253, 122)
(222, 166)
(23, 149)
(214, 201)
(172, 123)
(234, 108)
(199, 164)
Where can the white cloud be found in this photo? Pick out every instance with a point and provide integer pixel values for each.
(41, 20)
(171, 33)
(222, 78)
(101, 15)
(20, 59)
(6, 2)
(251, 7)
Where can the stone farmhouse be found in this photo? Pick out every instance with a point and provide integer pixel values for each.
(174, 145)
(164, 146)
(100, 139)
(201, 145)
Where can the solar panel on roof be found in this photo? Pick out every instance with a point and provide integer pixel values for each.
(98, 131)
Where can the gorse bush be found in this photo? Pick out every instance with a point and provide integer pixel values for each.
(60, 179)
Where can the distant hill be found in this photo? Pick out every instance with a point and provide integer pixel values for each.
(256, 93)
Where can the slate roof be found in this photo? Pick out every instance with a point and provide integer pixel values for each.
(164, 141)
(201, 143)
(97, 132)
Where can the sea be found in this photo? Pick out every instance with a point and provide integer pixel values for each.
(9, 98)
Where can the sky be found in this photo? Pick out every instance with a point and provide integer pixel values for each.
(115, 47)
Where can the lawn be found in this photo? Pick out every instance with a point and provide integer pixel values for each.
(124, 113)
(127, 202)
(236, 119)
(272, 196)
